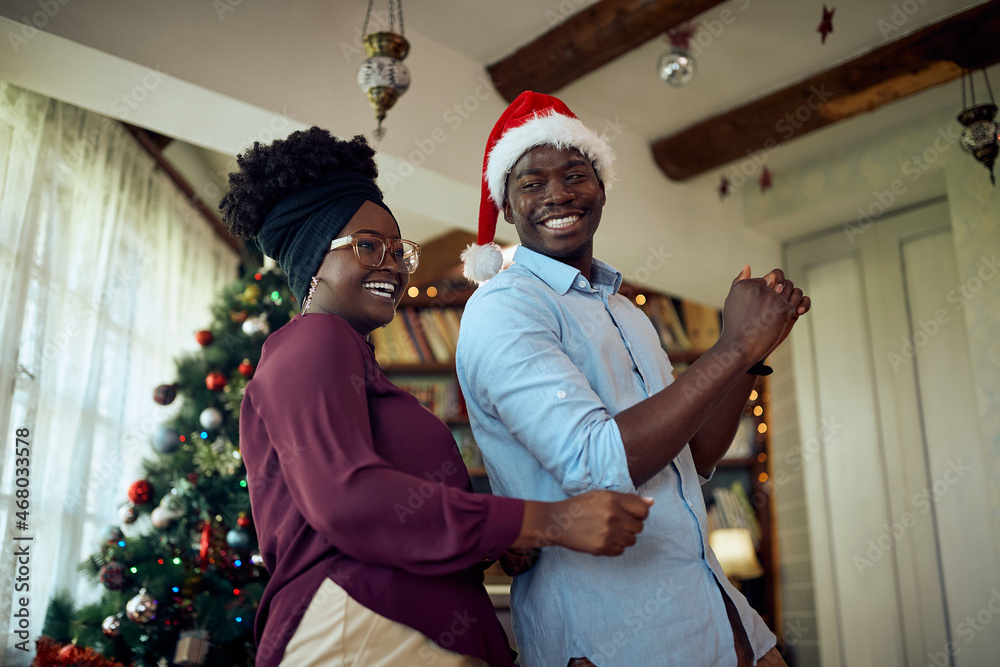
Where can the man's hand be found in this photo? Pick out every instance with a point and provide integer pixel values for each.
(800, 302)
(754, 318)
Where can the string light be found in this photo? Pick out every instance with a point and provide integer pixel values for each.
(243, 483)
(257, 276)
(413, 291)
(758, 411)
(121, 543)
(762, 477)
(762, 428)
(640, 299)
(432, 291)
(177, 561)
(753, 395)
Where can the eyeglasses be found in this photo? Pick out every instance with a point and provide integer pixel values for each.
(370, 251)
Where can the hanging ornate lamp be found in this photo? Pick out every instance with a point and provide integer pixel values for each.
(981, 136)
(382, 76)
(676, 65)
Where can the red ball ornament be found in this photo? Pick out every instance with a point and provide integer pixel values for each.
(246, 369)
(73, 654)
(243, 521)
(215, 381)
(204, 337)
(140, 492)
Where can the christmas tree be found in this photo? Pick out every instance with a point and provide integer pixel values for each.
(182, 575)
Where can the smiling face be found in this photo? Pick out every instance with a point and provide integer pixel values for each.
(554, 200)
(366, 298)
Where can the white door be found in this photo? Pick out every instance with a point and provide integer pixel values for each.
(897, 498)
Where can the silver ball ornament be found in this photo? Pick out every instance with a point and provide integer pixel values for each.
(166, 440)
(210, 419)
(676, 66)
(141, 608)
(238, 539)
(111, 626)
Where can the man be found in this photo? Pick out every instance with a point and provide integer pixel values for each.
(568, 390)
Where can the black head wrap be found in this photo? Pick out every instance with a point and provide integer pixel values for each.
(298, 230)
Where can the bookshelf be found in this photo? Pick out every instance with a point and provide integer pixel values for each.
(417, 351)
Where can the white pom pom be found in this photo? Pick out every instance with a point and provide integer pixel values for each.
(481, 262)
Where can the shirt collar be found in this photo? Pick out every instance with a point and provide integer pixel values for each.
(560, 276)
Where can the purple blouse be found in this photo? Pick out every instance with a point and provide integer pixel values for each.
(351, 479)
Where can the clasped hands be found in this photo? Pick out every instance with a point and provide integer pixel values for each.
(759, 313)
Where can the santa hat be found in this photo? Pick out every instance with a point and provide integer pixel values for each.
(533, 119)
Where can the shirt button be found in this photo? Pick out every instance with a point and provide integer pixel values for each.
(582, 283)
(561, 394)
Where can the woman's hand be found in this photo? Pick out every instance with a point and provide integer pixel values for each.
(603, 523)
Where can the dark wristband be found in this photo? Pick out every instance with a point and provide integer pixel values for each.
(760, 368)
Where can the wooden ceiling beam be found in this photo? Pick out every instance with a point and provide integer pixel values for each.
(927, 58)
(587, 41)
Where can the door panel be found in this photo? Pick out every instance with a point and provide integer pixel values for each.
(897, 506)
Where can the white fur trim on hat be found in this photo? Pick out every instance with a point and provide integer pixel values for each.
(549, 128)
(481, 262)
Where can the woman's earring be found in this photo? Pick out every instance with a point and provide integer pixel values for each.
(309, 296)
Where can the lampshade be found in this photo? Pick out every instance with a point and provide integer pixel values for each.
(734, 549)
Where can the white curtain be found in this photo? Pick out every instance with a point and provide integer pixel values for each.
(106, 272)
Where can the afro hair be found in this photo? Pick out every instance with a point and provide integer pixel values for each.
(267, 174)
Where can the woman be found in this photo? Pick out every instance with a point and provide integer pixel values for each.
(367, 523)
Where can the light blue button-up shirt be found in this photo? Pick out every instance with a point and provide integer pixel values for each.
(546, 359)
